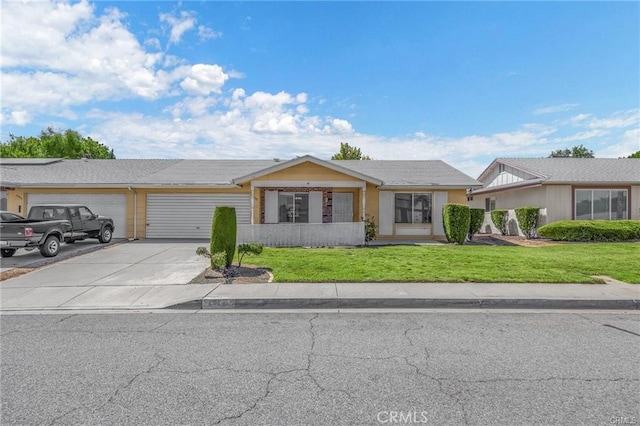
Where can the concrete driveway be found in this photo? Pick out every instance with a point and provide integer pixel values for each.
(129, 275)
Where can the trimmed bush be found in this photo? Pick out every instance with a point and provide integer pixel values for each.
(456, 219)
(249, 248)
(475, 224)
(528, 220)
(223, 233)
(499, 218)
(592, 230)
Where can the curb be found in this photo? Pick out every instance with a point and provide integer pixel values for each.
(406, 303)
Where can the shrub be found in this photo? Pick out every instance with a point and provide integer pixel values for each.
(499, 218)
(217, 260)
(592, 230)
(369, 230)
(223, 233)
(249, 248)
(456, 219)
(528, 220)
(476, 220)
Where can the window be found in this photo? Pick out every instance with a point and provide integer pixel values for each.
(293, 207)
(489, 204)
(609, 204)
(413, 207)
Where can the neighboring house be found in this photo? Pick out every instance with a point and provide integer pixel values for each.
(305, 201)
(563, 188)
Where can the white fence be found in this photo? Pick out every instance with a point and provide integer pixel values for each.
(303, 234)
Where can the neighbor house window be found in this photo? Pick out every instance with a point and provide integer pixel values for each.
(413, 207)
(293, 207)
(489, 204)
(609, 204)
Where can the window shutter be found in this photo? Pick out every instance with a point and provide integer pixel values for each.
(315, 207)
(271, 207)
(386, 213)
(439, 200)
(342, 207)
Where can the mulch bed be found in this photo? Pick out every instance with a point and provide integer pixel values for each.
(243, 275)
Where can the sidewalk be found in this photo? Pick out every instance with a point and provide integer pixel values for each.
(613, 295)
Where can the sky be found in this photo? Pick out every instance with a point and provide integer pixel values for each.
(463, 82)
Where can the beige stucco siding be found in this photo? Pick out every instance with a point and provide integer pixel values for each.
(306, 172)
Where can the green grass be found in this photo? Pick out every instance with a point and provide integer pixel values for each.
(567, 263)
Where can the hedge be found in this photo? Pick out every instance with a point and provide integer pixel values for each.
(223, 233)
(592, 230)
(477, 218)
(456, 219)
(528, 220)
(499, 218)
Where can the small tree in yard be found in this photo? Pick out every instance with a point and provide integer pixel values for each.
(223, 234)
(528, 220)
(475, 224)
(499, 218)
(456, 219)
(249, 248)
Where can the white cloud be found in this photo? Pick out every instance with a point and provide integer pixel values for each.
(179, 24)
(618, 120)
(554, 109)
(206, 33)
(629, 143)
(203, 79)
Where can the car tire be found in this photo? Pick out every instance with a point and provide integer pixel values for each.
(105, 235)
(51, 246)
(7, 252)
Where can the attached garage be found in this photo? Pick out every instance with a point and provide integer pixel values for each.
(189, 215)
(110, 205)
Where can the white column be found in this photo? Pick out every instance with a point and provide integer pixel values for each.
(364, 202)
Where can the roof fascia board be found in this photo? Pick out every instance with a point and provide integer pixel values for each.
(299, 160)
(430, 187)
(497, 161)
(531, 172)
(119, 185)
(519, 185)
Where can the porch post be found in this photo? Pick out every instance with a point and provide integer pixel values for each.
(252, 203)
(364, 201)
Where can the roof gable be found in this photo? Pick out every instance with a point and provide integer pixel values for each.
(305, 159)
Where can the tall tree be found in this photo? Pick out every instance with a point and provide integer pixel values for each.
(348, 152)
(575, 152)
(635, 155)
(52, 144)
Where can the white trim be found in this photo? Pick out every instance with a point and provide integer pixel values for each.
(308, 184)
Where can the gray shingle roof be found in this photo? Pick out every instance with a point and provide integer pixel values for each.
(411, 173)
(211, 172)
(579, 170)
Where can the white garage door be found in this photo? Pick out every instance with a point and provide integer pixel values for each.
(110, 205)
(189, 215)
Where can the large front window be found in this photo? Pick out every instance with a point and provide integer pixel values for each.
(413, 207)
(609, 204)
(293, 207)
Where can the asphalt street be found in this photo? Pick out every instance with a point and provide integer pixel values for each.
(439, 368)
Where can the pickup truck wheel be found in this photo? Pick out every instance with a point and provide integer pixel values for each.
(7, 252)
(51, 246)
(105, 235)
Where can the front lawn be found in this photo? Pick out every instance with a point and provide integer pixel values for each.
(567, 263)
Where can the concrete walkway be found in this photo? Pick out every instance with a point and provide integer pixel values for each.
(154, 275)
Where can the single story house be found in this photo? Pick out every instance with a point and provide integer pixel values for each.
(563, 188)
(305, 201)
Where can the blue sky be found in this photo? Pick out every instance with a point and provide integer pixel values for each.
(464, 82)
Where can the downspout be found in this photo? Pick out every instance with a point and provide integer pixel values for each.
(135, 213)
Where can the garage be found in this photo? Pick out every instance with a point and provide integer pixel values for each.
(189, 215)
(110, 205)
